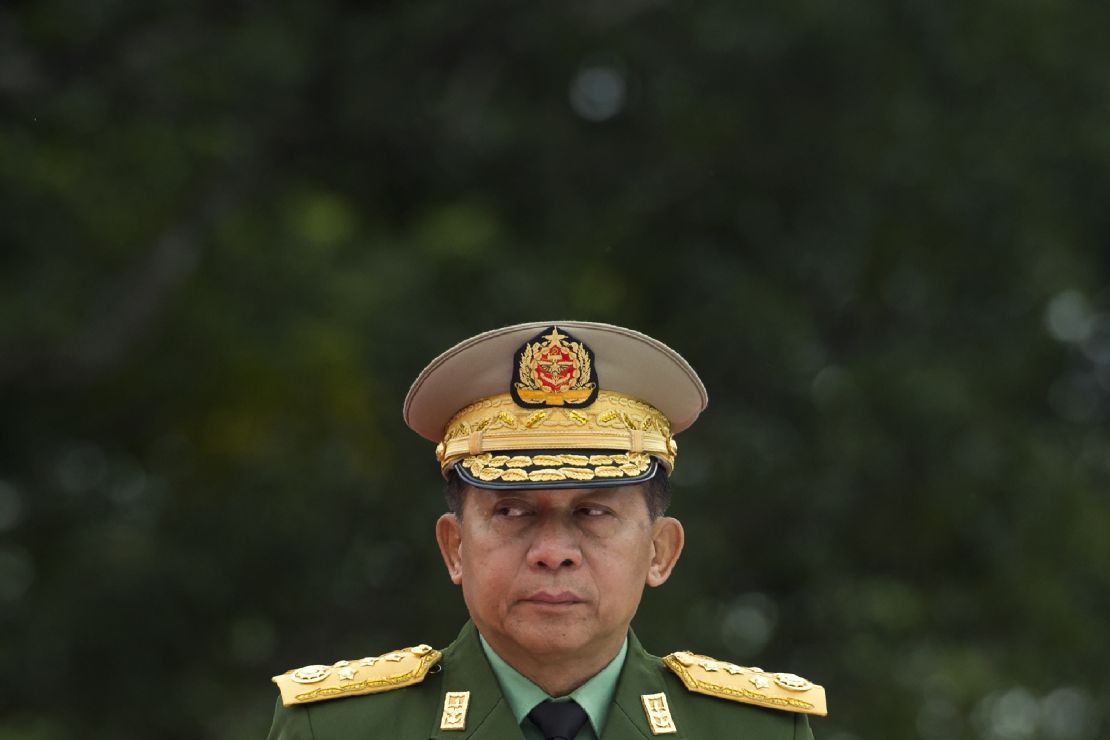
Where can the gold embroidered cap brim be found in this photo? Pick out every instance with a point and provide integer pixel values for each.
(545, 469)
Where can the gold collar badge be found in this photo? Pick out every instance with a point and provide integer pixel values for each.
(554, 369)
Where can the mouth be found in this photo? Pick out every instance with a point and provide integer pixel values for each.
(553, 599)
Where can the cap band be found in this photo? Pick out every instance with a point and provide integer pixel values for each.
(613, 422)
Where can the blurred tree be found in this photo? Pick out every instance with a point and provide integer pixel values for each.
(234, 232)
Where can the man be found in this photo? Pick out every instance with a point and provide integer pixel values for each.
(556, 440)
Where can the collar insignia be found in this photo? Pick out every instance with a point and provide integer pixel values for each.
(554, 369)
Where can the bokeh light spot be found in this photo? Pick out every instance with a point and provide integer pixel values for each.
(597, 93)
(1067, 317)
(749, 622)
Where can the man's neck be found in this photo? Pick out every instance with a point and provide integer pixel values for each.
(557, 674)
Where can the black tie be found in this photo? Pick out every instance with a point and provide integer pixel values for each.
(558, 720)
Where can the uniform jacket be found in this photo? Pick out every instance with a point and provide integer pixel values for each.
(414, 712)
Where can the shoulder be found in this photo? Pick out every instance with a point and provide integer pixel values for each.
(701, 674)
(389, 671)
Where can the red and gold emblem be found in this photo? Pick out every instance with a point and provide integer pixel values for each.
(554, 369)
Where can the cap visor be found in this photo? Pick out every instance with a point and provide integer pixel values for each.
(547, 469)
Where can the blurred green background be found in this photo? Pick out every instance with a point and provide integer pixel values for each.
(232, 233)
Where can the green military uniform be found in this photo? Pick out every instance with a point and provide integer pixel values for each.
(548, 418)
(761, 707)
(594, 697)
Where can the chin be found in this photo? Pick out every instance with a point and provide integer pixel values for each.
(550, 636)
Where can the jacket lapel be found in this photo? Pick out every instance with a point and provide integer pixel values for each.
(488, 717)
(640, 675)
(465, 668)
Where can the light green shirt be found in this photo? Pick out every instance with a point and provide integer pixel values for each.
(594, 696)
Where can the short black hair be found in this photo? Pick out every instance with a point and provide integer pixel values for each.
(657, 493)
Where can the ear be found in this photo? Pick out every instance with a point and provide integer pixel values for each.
(667, 539)
(449, 537)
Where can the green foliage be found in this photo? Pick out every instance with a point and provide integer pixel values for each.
(234, 233)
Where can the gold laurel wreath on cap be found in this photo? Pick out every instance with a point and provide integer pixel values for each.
(613, 422)
(510, 469)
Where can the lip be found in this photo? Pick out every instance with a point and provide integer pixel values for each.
(554, 598)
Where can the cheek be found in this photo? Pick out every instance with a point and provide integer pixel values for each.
(621, 567)
(487, 571)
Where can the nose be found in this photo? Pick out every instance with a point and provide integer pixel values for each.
(555, 546)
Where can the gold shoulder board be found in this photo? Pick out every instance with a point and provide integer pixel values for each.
(385, 672)
(784, 691)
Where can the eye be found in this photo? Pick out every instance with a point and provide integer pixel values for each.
(592, 511)
(510, 509)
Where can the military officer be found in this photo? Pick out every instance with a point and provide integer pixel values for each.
(556, 440)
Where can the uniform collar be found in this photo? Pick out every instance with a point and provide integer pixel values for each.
(522, 694)
(466, 669)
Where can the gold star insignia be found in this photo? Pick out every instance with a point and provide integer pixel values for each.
(555, 336)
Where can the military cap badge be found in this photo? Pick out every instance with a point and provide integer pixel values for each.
(554, 369)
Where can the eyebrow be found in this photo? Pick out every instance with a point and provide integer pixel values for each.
(596, 493)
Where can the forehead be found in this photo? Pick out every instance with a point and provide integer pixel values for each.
(615, 496)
